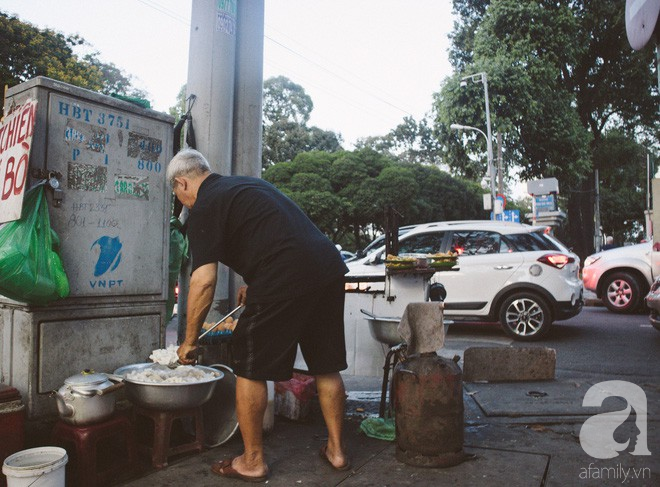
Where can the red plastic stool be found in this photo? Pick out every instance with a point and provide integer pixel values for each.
(87, 444)
(162, 449)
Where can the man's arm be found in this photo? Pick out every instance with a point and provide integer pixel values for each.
(200, 298)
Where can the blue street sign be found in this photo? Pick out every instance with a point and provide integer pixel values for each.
(508, 216)
(545, 203)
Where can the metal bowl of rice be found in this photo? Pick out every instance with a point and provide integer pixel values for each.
(154, 386)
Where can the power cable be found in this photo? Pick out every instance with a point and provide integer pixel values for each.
(166, 11)
(351, 102)
(334, 64)
(327, 70)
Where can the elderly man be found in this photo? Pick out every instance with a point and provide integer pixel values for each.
(295, 296)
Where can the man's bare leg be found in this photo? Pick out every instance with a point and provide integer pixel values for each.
(251, 402)
(332, 398)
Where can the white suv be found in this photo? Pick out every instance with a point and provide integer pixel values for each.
(621, 277)
(508, 272)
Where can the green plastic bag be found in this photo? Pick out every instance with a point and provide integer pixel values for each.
(31, 271)
(379, 428)
(178, 256)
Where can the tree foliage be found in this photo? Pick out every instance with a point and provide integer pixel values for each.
(346, 193)
(286, 111)
(410, 141)
(560, 75)
(621, 163)
(27, 51)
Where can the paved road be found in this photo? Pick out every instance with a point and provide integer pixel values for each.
(595, 343)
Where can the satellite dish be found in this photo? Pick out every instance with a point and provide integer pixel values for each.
(641, 17)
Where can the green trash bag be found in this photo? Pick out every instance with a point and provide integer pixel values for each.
(178, 256)
(31, 271)
(379, 428)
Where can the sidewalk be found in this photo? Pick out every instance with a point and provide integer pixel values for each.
(519, 434)
(517, 439)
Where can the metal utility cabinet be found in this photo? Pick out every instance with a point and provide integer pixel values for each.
(111, 215)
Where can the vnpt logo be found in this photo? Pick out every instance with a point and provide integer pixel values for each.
(109, 249)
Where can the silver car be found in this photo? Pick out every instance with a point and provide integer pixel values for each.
(653, 302)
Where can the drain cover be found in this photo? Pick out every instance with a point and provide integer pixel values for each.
(537, 394)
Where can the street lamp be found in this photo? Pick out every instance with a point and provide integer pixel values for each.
(489, 139)
(491, 171)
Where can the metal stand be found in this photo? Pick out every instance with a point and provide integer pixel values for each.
(394, 355)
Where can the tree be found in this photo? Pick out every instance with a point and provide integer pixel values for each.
(286, 100)
(181, 106)
(560, 74)
(622, 178)
(286, 111)
(115, 81)
(410, 141)
(27, 51)
(346, 193)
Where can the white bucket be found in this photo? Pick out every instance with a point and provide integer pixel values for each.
(36, 467)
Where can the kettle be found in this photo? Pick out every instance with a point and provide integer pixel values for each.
(86, 398)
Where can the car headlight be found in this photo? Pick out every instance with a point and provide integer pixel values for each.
(590, 260)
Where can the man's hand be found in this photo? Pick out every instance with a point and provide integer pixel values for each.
(187, 353)
(241, 296)
(200, 297)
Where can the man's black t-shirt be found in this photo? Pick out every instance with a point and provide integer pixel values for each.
(251, 227)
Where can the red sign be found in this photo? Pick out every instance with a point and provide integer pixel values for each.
(16, 133)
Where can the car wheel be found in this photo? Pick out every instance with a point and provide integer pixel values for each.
(525, 316)
(621, 293)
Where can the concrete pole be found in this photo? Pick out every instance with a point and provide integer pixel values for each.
(648, 224)
(598, 235)
(489, 148)
(212, 58)
(211, 63)
(248, 91)
(500, 173)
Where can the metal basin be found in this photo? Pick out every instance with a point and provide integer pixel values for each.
(384, 330)
(168, 396)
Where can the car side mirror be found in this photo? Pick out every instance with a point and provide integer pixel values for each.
(360, 253)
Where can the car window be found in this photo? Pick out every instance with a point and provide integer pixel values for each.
(476, 242)
(529, 242)
(380, 241)
(423, 243)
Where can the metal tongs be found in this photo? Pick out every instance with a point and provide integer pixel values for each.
(173, 365)
(231, 313)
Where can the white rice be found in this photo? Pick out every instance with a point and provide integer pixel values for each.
(165, 356)
(180, 375)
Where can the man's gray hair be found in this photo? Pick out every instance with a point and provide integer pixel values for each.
(187, 162)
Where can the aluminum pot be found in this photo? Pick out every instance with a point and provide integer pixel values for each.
(167, 396)
(86, 398)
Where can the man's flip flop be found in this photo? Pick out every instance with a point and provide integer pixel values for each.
(323, 454)
(224, 469)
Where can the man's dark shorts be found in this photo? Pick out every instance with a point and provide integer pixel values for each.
(265, 341)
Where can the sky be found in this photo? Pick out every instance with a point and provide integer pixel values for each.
(366, 64)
